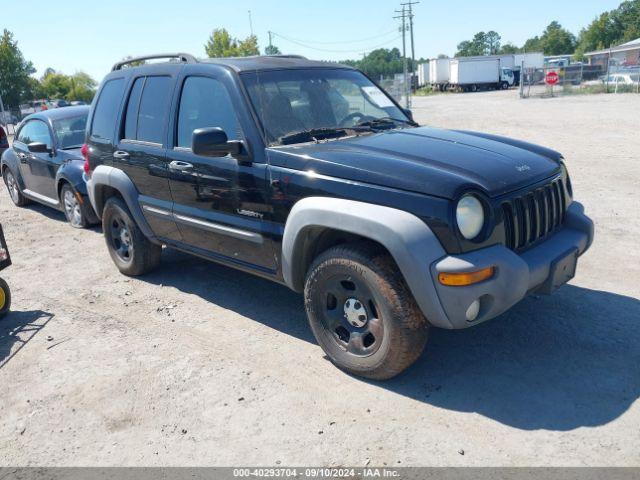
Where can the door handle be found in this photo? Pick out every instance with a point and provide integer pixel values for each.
(180, 166)
(121, 155)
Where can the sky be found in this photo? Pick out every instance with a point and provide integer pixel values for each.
(90, 36)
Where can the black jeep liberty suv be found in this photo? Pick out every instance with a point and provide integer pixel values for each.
(308, 174)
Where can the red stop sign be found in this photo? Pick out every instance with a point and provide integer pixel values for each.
(551, 78)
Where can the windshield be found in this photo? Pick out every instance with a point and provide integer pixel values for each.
(292, 101)
(70, 131)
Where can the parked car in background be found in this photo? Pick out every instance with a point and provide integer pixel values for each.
(75, 103)
(34, 106)
(58, 103)
(45, 163)
(309, 174)
(617, 79)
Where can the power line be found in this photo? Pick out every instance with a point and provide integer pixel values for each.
(359, 50)
(342, 42)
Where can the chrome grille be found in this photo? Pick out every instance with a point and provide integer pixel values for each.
(533, 216)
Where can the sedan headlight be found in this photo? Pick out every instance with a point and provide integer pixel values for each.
(470, 216)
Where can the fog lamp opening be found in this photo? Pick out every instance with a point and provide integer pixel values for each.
(466, 278)
(473, 311)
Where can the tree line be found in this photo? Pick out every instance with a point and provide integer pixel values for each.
(17, 85)
(609, 29)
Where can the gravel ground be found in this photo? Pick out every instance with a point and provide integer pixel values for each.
(198, 364)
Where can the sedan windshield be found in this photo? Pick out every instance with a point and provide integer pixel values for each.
(70, 131)
(299, 105)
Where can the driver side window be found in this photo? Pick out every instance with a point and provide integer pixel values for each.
(205, 103)
(35, 131)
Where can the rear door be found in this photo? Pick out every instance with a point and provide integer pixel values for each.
(141, 149)
(219, 204)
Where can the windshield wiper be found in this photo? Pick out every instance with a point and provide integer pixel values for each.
(315, 134)
(385, 121)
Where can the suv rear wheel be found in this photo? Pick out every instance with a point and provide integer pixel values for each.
(130, 250)
(362, 313)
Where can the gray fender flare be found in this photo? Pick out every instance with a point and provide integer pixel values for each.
(115, 178)
(411, 243)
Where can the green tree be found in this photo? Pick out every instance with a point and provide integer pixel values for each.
(492, 42)
(508, 48)
(248, 47)
(272, 50)
(15, 83)
(555, 40)
(55, 85)
(482, 44)
(222, 44)
(83, 87)
(611, 28)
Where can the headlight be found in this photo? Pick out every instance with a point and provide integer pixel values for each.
(470, 216)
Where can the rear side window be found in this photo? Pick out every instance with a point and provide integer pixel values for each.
(147, 109)
(104, 118)
(204, 103)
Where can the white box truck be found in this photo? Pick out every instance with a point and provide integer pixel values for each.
(470, 74)
(423, 74)
(439, 72)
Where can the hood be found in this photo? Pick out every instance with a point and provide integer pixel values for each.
(426, 160)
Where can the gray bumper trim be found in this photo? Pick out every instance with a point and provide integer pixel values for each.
(516, 275)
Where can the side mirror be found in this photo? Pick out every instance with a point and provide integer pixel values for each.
(38, 147)
(408, 113)
(213, 142)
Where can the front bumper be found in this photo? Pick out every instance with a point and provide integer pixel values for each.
(516, 275)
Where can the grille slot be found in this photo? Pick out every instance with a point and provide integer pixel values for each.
(533, 216)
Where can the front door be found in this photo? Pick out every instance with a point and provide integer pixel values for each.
(38, 170)
(219, 205)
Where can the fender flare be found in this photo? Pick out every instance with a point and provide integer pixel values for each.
(73, 177)
(115, 178)
(409, 240)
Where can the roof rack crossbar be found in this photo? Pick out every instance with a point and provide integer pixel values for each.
(183, 57)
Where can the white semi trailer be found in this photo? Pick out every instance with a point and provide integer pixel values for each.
(423, 74)
(439, 72)
(471, 74)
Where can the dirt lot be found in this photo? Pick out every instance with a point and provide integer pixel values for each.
(198, 364)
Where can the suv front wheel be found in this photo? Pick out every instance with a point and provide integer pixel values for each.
(362, 313)
(130, 250)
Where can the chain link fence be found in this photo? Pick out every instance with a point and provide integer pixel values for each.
(579, 79)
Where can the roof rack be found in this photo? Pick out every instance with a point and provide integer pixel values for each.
(286, 55)
(183, 57)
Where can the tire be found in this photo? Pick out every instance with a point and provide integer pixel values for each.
(13, 187)
(76, 212)
(504, 86)
(5, 298)
(362, 313)
(130, 250)
(474, 88)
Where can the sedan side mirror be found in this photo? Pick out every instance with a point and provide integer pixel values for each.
(38, 147)
(213, 142)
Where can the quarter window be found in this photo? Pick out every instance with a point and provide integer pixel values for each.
(205, 102)
(104, 118)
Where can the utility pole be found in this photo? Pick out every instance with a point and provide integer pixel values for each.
(403, 16)
(270, 42)
(413, 50)
(250, 23)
